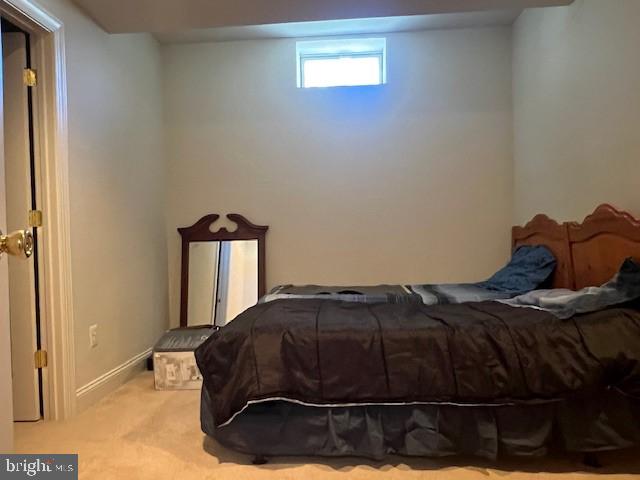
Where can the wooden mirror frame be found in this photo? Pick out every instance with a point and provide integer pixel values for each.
(201, 232)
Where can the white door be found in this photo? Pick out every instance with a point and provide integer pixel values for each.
(18, 202)
(6, 398)
(15, 244)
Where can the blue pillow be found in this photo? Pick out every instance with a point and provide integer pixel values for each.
(529, 268)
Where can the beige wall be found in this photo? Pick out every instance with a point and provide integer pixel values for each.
(117, 191)
(577, 108)
(409, 182)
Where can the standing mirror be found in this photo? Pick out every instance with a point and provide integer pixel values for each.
(222, 271)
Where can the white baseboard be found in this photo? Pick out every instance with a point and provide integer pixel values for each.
(100, 387)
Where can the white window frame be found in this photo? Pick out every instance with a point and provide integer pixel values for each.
(341, 48)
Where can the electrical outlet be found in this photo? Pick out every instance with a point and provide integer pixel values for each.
(93, 335)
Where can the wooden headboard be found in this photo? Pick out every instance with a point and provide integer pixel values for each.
(588, 253)
(600, 244)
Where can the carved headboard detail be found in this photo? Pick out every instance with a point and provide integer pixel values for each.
(588, 253)
(600, 244)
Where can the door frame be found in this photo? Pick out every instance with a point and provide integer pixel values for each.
(50, 103)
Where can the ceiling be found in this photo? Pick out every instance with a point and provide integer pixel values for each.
(200, 20)
(342, 27)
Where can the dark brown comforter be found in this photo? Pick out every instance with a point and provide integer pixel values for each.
(324, 352)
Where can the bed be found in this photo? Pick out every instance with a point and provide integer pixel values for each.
(320, 377)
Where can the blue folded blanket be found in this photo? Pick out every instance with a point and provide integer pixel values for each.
(529, 268)
(622, 288)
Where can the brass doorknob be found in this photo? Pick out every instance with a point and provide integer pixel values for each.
(18, 244)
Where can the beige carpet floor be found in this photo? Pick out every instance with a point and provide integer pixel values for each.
(139, 433)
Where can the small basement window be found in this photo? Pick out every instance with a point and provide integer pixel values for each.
(341, 63)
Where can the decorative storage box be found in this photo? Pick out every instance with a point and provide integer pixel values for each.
(174, 364)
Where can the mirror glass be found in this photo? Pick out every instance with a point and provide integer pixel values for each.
(223, 280)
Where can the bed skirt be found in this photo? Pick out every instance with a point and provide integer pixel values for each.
(609, 421)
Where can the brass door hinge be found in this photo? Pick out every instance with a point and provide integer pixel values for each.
(30, 77)
(35, 218)
(40, 358)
